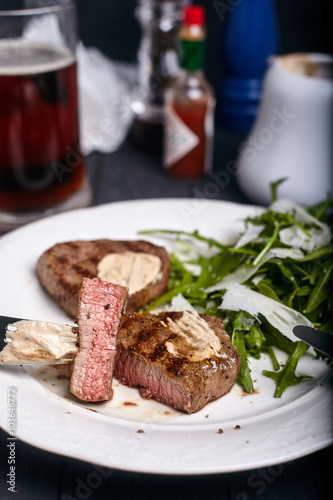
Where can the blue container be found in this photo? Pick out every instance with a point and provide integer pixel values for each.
(249, 37)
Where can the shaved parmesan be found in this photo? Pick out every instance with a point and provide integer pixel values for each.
(251, 233)
(298, 212)
(295, 237)
(318, 235)
(179, 303)
(283, 253)
(241, 298)
(239, 276)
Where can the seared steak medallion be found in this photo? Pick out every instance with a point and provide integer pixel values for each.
(181, 359)
(61, 268)
(101, 306)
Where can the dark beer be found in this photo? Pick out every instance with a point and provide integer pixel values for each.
(40, 160)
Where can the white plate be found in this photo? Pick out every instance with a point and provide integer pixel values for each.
(237, 432)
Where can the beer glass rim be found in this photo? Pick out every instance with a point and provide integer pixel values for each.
(37, 10)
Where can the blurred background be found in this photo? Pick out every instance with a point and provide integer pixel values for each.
(111, 26)
(303, 25)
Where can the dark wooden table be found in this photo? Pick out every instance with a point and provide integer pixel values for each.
(40, 475)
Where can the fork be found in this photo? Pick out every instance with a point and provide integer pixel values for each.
(36, 342)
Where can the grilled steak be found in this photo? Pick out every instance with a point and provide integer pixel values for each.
(172, 358)
(101, 307)
(61, 268)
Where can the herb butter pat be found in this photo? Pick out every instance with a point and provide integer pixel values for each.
(195, 339)
(135, 270)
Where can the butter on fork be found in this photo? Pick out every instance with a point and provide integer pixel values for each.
(37, 342)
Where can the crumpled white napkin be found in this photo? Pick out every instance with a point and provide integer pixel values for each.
(104, 100)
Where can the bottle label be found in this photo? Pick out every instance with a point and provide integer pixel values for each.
(179, 139)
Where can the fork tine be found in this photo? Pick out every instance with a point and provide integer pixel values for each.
(5, 320)
(16, 329)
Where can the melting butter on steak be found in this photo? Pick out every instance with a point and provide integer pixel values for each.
(135, 270)
(194, 338)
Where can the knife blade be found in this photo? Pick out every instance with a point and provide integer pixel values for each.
(318, 339)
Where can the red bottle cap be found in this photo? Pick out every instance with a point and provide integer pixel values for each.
(194, 14)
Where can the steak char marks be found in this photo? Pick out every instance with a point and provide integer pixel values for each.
(101, 307)
(148, 358)
(62, 267)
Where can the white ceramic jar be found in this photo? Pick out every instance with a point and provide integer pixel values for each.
(292, 135)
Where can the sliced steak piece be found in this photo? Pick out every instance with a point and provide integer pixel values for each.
(184, 360)
(61, 268)
(101, 306)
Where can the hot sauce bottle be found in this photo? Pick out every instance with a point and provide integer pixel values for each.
(189, 105)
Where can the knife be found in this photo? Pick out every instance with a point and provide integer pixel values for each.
(319, 340)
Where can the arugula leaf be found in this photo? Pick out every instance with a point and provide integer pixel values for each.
(276, 364)
(287, 376)
(254, 341)
(275, 338)
(321, 210)
(317, 254)
(290, 300)
(322, 288)
(274, 186)
(267, 291)
(238, 339)
(268, 245)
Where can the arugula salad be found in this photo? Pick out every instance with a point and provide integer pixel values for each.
(277, 275)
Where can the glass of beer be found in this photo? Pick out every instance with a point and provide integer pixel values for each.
(42, 169)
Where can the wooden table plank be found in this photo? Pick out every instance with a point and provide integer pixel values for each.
(130, 174)
(41, 475)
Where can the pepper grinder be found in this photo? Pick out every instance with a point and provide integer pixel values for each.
(158, 66)
(248, 39)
